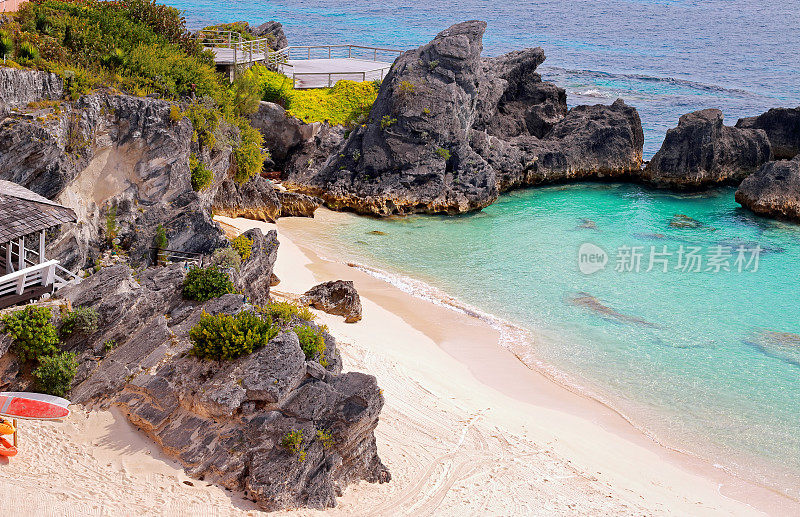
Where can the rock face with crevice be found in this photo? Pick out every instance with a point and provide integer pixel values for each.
(703, 152)
(450, 130)
(774, 190)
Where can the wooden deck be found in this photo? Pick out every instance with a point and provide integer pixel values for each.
(322, 73)
(314, 66)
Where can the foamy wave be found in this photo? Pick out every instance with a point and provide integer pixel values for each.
(592, 92)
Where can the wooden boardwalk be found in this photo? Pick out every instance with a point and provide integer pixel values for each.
(316, 66)
(322, 73)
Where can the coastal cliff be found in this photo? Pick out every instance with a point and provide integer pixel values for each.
(450, 130)
(125, 164)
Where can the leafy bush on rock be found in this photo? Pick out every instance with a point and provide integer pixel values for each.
(33, 334)
(55, 373)
(80, 319)
(224, 337)
(203, 284)
(312, 343)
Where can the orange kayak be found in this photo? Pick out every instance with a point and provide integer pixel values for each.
(6, 449)
(6, 427)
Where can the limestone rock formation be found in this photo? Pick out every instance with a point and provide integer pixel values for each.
(782, 126)
(774, 190)
(225, 422)
(450, 130)
(702, 152)
(274, 31)
(117, 160)
(255, 199)
(21, 87)
(282, 132)
(294, 204)
(335, 297)
(253, 277)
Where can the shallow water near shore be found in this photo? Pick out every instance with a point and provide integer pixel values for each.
(665, 57)
(706, 361)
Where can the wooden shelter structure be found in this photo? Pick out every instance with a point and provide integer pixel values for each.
(25, 272)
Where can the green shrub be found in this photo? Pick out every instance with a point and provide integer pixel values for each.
(246, 94)
(248, 154)
(111, 224)
(293, 442)
(405, 89)
(6, 44)
(203, 284)
(226, 258)
(205, 117)
(347, 102)
(326, 437)
(33, 334)
(283, 312)
(80, 319)
(202, 176)
(55, 373)
(444, 153)
(243, 246)
(175, 113)
(109, 345)
(312, 343)
(387, 121)
(160, 240)
(26, 50)
(224, 336)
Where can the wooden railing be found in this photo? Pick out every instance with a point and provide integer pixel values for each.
(258, 50)
(380, 73)
(40, 274)
(162, 256)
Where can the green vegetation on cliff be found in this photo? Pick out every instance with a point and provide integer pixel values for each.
(136, 45)
(142, 48)
(348, 102)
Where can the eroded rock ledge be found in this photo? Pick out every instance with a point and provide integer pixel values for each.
(450, 130)
(774, 190)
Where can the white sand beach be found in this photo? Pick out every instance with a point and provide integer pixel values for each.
(467, 429)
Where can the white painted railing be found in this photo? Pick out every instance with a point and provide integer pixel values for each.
(17, 282)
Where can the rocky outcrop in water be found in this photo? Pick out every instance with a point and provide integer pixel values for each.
(335, 297)
(782, 126)
(702, 152)
(450, 130)
(774, 190)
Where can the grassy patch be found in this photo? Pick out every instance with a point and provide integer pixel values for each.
(348, 102)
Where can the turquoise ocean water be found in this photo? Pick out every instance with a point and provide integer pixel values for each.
(706, 361)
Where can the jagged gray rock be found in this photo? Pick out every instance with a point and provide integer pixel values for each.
(450, 130)
(255, 199)
(21, 87)
(335, 297)
(274, 31)
(702, 152)
(282, 132)
(774, 190)
(253, 278)
(107, 153)
(782, 126)
(223, 421)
